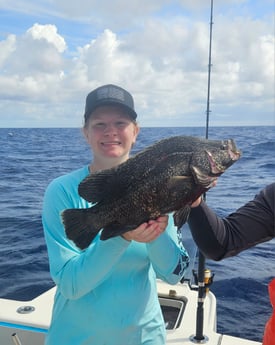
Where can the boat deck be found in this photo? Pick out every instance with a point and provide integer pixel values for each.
(26, 323)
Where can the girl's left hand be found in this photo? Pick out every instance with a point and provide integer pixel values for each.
(147, 232)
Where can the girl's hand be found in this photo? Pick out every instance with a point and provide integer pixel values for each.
(147, 232)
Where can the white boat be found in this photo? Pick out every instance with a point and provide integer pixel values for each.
(189, 310)
(26, 323)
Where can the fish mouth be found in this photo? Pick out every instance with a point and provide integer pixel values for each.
(232, 150)
(233, 153)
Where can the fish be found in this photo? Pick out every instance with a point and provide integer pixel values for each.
(165, 177)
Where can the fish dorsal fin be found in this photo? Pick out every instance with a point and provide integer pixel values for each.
(136, 168)
(115, 182)
(97, 186)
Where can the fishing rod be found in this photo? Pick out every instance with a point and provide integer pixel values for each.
(209, 72)
(204, 280)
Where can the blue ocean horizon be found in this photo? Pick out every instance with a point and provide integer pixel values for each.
(32, 157)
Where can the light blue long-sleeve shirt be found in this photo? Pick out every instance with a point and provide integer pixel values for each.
(106, 294)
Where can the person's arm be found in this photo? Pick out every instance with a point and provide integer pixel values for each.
(75, 272)
(251, 224)
(166, 253)
(169, 258)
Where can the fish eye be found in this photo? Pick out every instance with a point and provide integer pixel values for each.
(224, 145)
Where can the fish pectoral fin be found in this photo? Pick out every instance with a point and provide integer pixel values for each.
(180, 178)
(181, 216)
(201, 178)
(177, 182)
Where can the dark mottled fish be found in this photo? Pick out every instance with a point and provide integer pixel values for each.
(165, 177)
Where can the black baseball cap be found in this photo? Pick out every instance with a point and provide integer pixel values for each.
(110, 95)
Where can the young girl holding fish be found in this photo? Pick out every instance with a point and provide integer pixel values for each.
(107, 294)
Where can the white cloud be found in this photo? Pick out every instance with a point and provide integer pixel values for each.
(7, 47)
(161, 59)
(243, 55)
(48, 33)
(32, 64)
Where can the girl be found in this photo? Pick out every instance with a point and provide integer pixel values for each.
(106, 294)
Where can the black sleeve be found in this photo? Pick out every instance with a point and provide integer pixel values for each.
(251, 224)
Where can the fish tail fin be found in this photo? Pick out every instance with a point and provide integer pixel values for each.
(78, 226)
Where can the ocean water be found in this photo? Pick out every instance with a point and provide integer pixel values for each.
(31, 158)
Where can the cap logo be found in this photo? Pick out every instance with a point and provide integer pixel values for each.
(110, 92)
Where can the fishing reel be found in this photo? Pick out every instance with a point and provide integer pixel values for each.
(208, 280)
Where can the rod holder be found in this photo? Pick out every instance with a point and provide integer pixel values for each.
(15, 339)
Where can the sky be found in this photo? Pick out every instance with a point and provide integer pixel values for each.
(54, 52)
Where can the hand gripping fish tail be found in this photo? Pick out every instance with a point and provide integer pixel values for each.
(77, 227)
